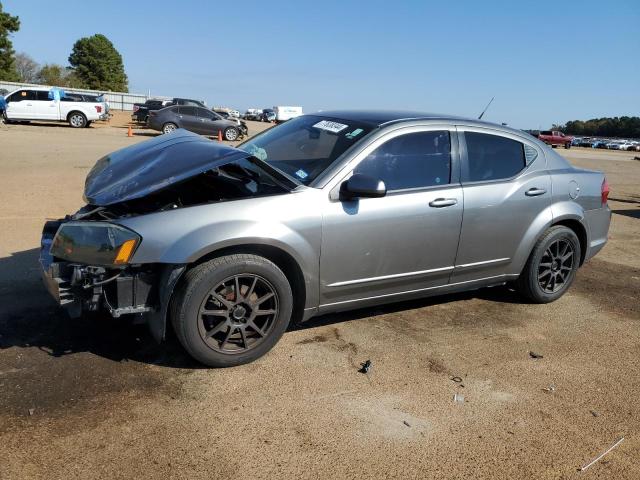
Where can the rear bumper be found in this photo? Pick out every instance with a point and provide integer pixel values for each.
(598, 222)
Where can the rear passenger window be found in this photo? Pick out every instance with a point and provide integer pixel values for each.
(414, 160)
(187, 111)
(42, 95)
(491, 157)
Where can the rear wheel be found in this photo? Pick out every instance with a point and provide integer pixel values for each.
(169, 127)
(232, 310)
(552, 266)
(231, 134)
(77, 120)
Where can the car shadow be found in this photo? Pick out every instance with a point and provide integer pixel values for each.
(29, 318)
(628, 213)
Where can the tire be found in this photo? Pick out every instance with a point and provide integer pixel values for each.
(88, 124)
(234, 333)
(231, 134)
(567, 145)
(77, 120)
(169, 127)
(546, 276)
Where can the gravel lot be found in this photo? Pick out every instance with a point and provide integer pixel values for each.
(99, 399)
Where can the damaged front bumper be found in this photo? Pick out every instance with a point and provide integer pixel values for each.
(141, 290)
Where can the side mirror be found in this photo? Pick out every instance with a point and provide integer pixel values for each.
(362, 186)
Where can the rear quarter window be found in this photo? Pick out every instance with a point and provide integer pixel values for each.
(492, 157)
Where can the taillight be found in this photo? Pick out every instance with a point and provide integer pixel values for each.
(135, 108)
(604, 192)
(98, 108)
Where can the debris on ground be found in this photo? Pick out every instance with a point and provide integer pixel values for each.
(456, 379)
(535, 355)
(550, 389)
(31, 411)
(594, 413)
(458, 398)
(615, 444)
(366, 366)
(406, 423)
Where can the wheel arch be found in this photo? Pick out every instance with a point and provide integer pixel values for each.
(580, 231)
(283, 260)
(77, 111)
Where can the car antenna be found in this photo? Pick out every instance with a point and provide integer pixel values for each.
(485, 108)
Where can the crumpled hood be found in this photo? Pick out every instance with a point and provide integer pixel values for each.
(146, 167)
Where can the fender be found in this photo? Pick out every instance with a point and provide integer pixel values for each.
(553, 214)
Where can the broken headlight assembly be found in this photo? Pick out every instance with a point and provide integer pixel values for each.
(95, 243)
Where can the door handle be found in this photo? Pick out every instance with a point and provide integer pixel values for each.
(442, 202)
(534, 192)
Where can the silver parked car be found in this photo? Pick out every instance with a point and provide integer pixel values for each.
(326, 212)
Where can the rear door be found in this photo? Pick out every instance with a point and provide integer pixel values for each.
(507, 190)
(45, 108)
(188, 119)
(404, 241)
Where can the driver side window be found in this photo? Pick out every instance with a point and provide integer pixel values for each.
(414, 160)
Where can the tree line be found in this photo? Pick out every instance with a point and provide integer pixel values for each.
(628, 127)
(94, 63)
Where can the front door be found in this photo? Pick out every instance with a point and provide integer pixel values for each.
(210, 122)
(19, 104)
(404, 241)
(507, 190)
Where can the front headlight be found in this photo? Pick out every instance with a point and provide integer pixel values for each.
(95, 243)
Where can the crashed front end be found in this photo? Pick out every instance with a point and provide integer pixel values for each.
(85, 267)
(88, 258)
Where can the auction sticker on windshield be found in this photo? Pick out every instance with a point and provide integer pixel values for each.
(329, 126)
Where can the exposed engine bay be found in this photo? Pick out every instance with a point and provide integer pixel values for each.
(233, 181)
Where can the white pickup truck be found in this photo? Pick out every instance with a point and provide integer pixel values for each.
(37, 104)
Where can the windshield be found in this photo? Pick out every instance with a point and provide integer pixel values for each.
(306, 146)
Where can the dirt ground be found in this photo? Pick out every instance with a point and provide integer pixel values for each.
(99, 399)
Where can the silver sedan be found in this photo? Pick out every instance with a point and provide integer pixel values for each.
(326, 212)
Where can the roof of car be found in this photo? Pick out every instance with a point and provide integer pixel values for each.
(380, 117)
(377, 118)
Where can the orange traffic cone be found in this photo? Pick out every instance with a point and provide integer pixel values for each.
(130, 132)
(219, 135)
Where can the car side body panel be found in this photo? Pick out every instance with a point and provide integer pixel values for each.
(290, 222)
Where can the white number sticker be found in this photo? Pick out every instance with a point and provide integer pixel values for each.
(333, 127)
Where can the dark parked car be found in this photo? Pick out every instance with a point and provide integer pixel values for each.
(141, 110)
(195, 119)
(324, 213)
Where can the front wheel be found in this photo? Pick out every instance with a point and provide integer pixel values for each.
(551, 267)
(77, 120)
(567, 146)
(231, 134)
(232, 310)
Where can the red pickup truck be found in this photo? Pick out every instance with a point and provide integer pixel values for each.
(554, 138)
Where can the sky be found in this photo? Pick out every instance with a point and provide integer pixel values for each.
(544, 61)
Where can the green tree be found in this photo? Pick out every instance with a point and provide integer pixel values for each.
(98, 65)
(57, 76)
(8, 25)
